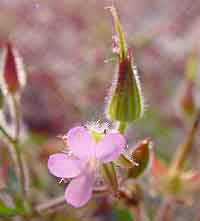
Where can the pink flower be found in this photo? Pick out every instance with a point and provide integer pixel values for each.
(87, 155)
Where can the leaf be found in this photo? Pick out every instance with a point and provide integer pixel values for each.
(7, 211)
(122, 214)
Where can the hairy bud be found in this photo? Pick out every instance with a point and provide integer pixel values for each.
(140, 157)
(126, 102)
(13, 75)
(187, 89)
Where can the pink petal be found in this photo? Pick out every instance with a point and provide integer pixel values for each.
(63, 166)
(80, 142)
(79, 191)
(110, 147)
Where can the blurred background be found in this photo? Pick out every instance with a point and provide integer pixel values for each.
(67, 50)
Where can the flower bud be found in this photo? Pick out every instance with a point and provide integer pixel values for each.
(12, 70)
(187, 89)
(125, 103)
(187, 102)
(140, 157)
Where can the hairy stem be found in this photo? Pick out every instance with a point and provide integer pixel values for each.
(50, 204)
(58, 201)
(23, 168)
(184, 149)
(17, 159)
(165, 211)
(16, 116)
(122, 127)
(6, 135)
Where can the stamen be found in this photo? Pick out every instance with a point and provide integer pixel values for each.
(61, 180)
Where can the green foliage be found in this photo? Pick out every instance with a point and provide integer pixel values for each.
(122, 214)
(36, 138)
(8, 211)
(12, 182)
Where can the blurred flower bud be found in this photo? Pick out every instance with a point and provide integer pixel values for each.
(176, 183)
(172, 183)
(191, 65)
(140, 157)
(187, 102)
(125, 103)
(109, 175)
(186, 91)
(13, 75)
(163, 180)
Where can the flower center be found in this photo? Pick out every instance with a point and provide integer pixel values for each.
(97, 136)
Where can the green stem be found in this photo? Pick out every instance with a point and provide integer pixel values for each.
(122, 127)
(60, 200)
(184, 149)
(5, 133)
(109, 173)
(122, 160)
(16, 115)
(13, 152)
(17, 159)
(24, 179)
